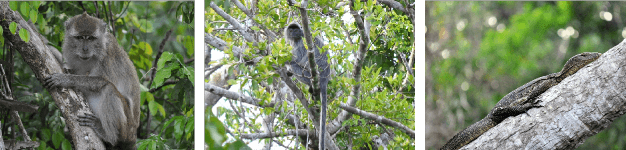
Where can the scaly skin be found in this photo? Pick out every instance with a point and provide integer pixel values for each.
(519, 101)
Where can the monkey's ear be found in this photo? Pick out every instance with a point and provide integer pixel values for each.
(104, 27)
(68, 29)
(67, 23)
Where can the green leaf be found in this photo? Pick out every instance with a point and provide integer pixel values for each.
(24, 35)
(33, 16)
(239, 145)
(232, 82)
(146, 96)
(190, 112)
(42, 145)
(161, 109)
(165, 57)
(145, 26)
(146, 47)
(189, 128)
(189, 45)
(142, 145)
(13, 5)
(190, 74)
(179, 9)
(46, 135)
(58, 138)
(164, 74)
(143, 88)
(35, 4)
(178, 130)
(166, 125)
(13, 27)
(66, 145)
(24, 9)
(152, 105)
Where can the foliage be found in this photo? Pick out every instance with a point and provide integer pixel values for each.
(139, 28)
(474, 64)
(215, 134)
(383, 91)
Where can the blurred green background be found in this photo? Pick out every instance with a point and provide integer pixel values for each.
(477, 52)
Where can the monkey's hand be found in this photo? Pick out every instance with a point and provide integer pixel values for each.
(90, 120)
(57, 80)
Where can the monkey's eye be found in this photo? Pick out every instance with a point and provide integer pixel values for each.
(85, 37)
(81, 37)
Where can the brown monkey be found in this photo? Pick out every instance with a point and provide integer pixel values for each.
(102, 71)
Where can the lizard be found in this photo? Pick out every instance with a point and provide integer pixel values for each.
(520, 100)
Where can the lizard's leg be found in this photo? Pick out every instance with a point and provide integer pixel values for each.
(501, 113)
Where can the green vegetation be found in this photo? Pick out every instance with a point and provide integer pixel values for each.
(477, 52)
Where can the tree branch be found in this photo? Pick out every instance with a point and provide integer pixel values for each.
(276, 134)
(235, 96)
(579, 107)
(233, 22)
(378, 118)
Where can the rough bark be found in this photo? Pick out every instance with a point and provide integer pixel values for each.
(36, 54)
(579, 107)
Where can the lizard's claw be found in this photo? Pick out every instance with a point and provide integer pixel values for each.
(536, 103)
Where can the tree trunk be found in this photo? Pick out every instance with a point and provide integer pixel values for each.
(579, 107)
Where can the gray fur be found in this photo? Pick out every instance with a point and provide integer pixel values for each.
(106, 76)
(300, 64)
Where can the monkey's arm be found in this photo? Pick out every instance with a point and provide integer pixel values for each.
(111, 109)
(79, 82)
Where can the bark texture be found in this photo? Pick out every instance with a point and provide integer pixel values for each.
(579, 107)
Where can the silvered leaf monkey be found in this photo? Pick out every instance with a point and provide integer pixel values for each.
(300, 67)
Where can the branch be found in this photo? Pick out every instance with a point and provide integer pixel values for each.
(379, 119)
(356, 73)
(579, 107)
(242, 30)
(410, 70)
(156, 59)
(396, 5)
(297, 92)
(270, 35)
(18, 106)
(237, 52)
(276, 134)
(235, 96)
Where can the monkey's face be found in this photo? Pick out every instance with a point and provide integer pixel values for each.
(86, 46)
(84, 38)
(294, 32)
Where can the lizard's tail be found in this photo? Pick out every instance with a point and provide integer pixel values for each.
(469, 134)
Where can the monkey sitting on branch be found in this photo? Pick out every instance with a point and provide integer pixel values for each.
(106, 76)
(301, 69)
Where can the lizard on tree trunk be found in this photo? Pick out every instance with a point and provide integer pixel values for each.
(519, 100)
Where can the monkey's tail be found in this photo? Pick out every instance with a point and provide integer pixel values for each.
(324, 89)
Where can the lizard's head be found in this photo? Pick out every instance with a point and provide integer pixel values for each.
(579, 61)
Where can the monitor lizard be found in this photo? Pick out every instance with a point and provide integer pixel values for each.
(519, 100)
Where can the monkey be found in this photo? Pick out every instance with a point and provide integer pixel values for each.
(300, 67)
(105, 75)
